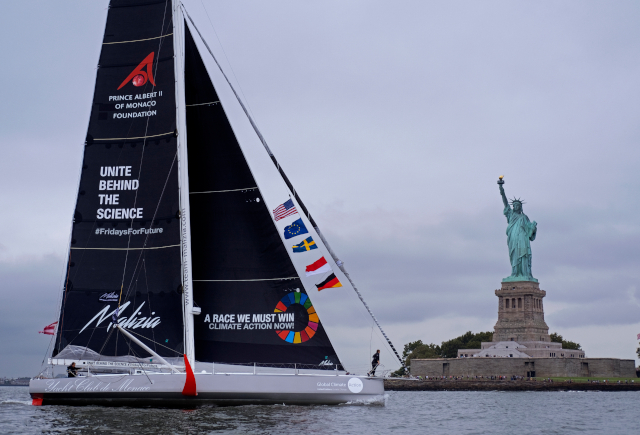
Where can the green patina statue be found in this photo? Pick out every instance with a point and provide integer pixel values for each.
(520, 232)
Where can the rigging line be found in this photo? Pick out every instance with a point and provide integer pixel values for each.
(135, 200)
(146, 280)
(239, 280)
(138, 358)
(136, 40)
(225, 53)
(134, 302)
(203, 104)
(290, 186)
(106, 340)
(155, 213)
(128, 249)
(255, 127)
(222, 191)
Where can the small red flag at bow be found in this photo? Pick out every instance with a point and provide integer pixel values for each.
(49, 329)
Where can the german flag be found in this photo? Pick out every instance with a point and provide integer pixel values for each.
(329, 282)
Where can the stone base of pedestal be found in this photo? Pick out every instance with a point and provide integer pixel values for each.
(521, 313)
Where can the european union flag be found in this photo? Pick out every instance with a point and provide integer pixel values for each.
(306, 245)
(295, 229)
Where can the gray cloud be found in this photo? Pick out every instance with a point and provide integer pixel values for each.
(31, 289)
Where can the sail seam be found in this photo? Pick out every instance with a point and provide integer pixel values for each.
(136, 40)
(203, 104)
(139, 137)
(238, 280)
(222, 191)
(128, 249)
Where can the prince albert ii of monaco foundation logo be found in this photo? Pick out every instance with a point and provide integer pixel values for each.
(138, 76)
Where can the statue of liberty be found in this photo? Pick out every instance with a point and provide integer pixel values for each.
(520, 232)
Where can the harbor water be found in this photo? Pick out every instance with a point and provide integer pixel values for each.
(411, 412)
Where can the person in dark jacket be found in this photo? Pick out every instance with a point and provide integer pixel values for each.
(72, 370)
(375, 362)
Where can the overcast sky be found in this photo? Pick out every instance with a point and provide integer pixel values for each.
(393, 120)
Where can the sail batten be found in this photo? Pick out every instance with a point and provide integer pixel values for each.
(240, 280)
(223, 191)
(135, 137)
(137, 40)
(127, 249)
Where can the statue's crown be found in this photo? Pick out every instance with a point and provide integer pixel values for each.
(518, 200)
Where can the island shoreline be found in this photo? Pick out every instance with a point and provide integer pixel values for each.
(502, 385)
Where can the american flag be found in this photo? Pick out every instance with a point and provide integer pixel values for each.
(284, 210)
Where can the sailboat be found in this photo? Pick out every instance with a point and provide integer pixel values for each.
(186, 281)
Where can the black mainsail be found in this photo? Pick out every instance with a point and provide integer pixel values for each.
(125, 243)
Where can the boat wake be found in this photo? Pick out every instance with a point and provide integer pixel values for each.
(16, 402)
(374, 401)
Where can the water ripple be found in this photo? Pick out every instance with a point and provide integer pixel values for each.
(404, 412)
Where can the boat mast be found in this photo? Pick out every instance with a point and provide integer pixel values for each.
(183, 182)
(338, 262)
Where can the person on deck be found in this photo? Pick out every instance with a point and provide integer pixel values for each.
(375, 362)
(72, 370)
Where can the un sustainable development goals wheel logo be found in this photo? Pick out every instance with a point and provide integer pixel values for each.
(297, 302)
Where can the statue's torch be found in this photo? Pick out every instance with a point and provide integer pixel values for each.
(500, 179)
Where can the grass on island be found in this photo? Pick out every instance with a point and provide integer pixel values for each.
(586, 379)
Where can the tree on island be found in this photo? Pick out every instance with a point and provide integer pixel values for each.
(557, 338)
(468, 340)
(448, 349)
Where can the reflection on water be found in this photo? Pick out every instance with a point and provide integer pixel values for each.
(404, 412)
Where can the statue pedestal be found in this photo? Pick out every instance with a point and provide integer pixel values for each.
(521, 331)
(521, 313)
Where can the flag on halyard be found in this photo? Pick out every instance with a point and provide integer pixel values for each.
(49, 329)
(306, 245)
(284, 210)
(638, 336)
(295, 229)
(329, 282)
(320, 266)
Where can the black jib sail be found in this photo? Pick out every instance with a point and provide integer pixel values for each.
(125, 245)
(255, 308)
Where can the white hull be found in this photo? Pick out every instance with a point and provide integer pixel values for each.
(220, 389)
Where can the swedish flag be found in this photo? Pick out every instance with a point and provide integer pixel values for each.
(306, 245)
(295, 229)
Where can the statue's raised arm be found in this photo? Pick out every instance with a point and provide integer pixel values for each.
(504, 197)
